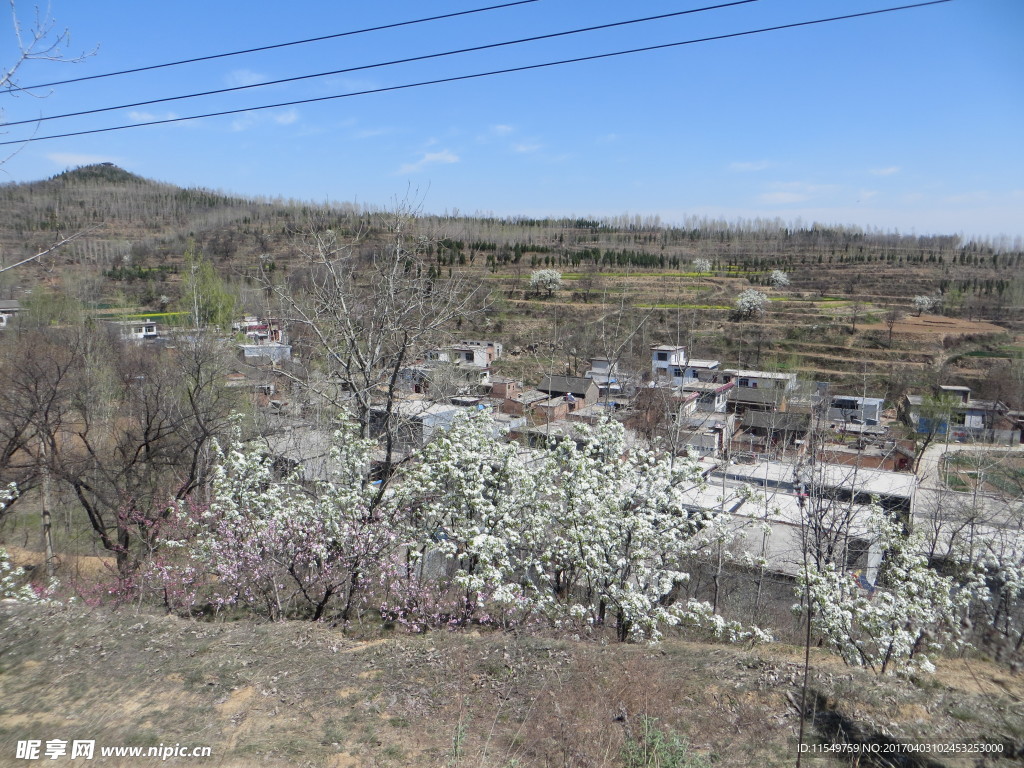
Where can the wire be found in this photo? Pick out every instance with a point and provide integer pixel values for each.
(272, 47)
(481, 74)
(382, 64)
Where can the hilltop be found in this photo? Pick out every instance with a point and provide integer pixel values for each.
(628, 281)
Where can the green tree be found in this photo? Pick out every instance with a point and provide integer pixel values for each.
(204, 295)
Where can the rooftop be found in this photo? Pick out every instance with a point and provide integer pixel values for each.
(778, 375)
(873, 481)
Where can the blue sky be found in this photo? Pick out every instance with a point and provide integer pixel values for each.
(911, 120)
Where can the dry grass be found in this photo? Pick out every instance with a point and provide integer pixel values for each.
(294, 694)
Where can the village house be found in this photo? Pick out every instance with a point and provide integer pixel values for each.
(413, 422)
(965, 418)
(758, 390)
(461, 354)
(136, 330)
(770, 432)
(704, 434)
(259, 331)
(8, 309)
(443, 380)
(274, 353)
(711, 397)
(577, 391)
(505, 388)
(493, 349)
(604, 372)
(668, 363)
(522, 403)
(855, 410)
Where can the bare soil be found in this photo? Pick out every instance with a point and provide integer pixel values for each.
(297, 694)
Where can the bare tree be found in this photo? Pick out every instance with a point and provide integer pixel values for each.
(37, 376)
(39, 41)
(140, 436)
(892, 317)
(364, 311)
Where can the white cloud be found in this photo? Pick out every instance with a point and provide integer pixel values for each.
(286, 118)
(248, 120)
(885, 171)
(67, 159)
(757, 165)
(502, 130)
(778, 198)
(242, 77)
(525, 148)
(370, 133)
(444, 157)
(788, 192)
(243, 123)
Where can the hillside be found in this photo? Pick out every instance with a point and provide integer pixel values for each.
(628, 281)
(300, 694)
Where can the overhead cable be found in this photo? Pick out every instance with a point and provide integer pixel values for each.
(364, 67)
(458, 78)
(272, 47)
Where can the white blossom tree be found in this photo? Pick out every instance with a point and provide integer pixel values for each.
(283, 548)
(549, 280)
(12, 586)
(778, 278)
(911, 615)
(751, 303)
(470, 499)
(585, 535)
(923, 304)
(701, 266)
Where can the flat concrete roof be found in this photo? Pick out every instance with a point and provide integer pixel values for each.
(874, 481)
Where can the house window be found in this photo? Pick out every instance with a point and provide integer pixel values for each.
(744, 382)
(663, 357)
(677, 372)
(856, 553)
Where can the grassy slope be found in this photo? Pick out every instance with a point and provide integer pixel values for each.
(295, 694)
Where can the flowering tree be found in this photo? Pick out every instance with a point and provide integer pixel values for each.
(470, 500)
(11, 587)
(619, 534)
(923, 304)
(701, 266)
(778, 278)
(475, 530)
(549, 280)
(283, 548)
(913, 614)
(999, 593)
(751, 303)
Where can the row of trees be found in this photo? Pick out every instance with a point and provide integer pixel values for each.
(474, 532)
(116, 430)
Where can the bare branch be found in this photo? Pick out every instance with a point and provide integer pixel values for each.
(53, 247)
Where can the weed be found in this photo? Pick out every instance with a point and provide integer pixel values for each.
(655, 747)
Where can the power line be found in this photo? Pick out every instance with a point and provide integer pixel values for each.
(276, 45)
(393, 62)
(477, 75)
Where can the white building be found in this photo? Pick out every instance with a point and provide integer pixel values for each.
(668, 363)
(136, 330)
